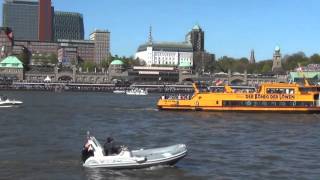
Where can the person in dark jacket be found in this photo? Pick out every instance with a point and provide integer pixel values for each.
(109, 146)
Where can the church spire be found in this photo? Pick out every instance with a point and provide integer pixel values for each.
(252, 59)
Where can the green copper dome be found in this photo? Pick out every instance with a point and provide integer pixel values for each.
(117, 62)
(11, 62)
(196, 27)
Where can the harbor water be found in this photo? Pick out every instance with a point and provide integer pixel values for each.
(43, 139)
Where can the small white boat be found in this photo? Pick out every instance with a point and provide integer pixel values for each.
(119, 91)
(137, 92)
(5, 102)
(127, 159)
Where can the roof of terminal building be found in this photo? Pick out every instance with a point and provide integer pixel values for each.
(167, 46)
(295, 75)
(117, 62)
(184, 64)
(11, 62)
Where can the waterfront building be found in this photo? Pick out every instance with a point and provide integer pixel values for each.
(155, 75)
(46, 12)
(196, 38)
(101, 39)
(117, 71)
(22, 16)
(85, 48)
(116, 66)
(35, 47)
(164, 53)
(68, 25)
(252, 58)
(277, 64)
(11, 67)
(68, 55)
(201, 58)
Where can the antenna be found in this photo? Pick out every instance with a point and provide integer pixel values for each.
(150, 35)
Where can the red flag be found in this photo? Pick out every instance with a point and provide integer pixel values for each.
(219, 82)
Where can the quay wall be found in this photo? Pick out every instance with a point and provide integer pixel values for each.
(58, 87)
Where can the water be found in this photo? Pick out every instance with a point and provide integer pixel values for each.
(43, 139)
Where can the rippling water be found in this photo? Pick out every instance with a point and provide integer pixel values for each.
(43, 139)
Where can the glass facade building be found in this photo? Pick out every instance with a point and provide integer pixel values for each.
(68, 25)
(22, 17)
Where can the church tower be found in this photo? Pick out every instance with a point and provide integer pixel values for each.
(252, 59)
(277, 65)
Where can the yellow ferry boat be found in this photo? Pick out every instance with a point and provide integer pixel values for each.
(269, 97)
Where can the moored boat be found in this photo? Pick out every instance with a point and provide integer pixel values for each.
(93, 156)
(269, 97)
(119, 91)
(137, 92)
(5, 102)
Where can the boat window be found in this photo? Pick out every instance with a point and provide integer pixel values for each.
(280, 91)
(217, 89)
(267, 103)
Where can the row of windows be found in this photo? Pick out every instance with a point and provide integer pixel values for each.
(268, 103)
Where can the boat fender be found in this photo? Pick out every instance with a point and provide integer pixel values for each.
(197, 103)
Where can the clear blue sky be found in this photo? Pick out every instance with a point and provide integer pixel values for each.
(232, 27)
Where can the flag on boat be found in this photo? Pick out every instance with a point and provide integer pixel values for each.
(218, 82)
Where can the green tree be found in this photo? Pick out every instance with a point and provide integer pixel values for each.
(88, 65)
(25, 57)
(315, 59)
(52, 58)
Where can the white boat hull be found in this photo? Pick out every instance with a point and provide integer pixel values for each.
(136, 159)
(10, 103)
(119, 92)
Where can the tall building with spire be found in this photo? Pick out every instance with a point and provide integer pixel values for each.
(277, 65)
(252, 59)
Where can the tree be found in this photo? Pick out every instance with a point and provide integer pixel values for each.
(88, 65)
(53, 58)
(25, 57)
(315, 59)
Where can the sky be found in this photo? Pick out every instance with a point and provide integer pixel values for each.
(232, 27)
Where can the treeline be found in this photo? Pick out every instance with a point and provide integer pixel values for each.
(128, 62)
(289, 62)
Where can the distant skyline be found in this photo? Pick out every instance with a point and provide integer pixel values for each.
(232, 27)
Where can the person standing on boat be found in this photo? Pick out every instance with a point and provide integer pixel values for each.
(87, 150)
(109, 146)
